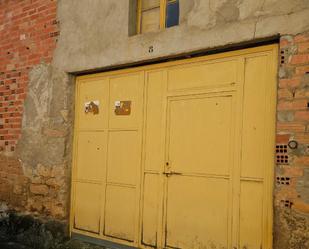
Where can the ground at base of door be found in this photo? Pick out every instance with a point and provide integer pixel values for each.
(26, 232)
(73, 244)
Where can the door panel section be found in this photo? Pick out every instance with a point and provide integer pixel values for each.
(150, 207)
(120, 212)
(197, 212)
(198, 193)
(124, 157)
(251, 215)
(197, 75)
(154, 148)
(93, 91)
(108, 158)
(200, 135)
(126, 88)
(87, 207)
(155, 122)
(255, 120)
(91, 152)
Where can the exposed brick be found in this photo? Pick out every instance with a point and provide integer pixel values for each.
(302, 161)
(302, 116)
(293, 171)
(302, 93)
(22, 46)
(302, 70)
(293, 105)
(282, 138)
(301, 38)
(302, 138)
(284, 42)
(294, 82)
(303, 47)
(43, 171)
(291, 127)
(300, 59)
(285, 94)
(53, 133)
(301, 206)
(39, 189)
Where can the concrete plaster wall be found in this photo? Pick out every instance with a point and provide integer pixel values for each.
(94, 33)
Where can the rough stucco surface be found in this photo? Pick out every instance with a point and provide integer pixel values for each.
(45, 116)
(44, 149)
(94, 33)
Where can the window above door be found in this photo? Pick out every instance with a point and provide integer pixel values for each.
(154, 15)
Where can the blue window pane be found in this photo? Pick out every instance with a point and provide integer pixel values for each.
(172, 14)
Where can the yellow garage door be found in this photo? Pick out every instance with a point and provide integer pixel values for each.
(178, 155)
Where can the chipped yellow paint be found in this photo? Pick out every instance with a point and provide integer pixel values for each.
(191, 166)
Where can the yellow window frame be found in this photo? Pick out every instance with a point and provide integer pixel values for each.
(162, 6)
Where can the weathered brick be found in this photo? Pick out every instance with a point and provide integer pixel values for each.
(301, 70)
(291, 127)
(302, 138)
(303, 47)
(39, 189)
(302, 161)
(285, 94)
(290, 83)
(293, 171)
(301, 206)
(54, 133)
(282, 138)
(300, 59)
(292, 105)
(302, 116)
(301, 38)
(43, 170)
(302, 93)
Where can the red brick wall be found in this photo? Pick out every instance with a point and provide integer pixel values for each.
(28, 31)
(293, 124)
(28, 36)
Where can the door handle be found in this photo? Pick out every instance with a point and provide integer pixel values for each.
(168, 173)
